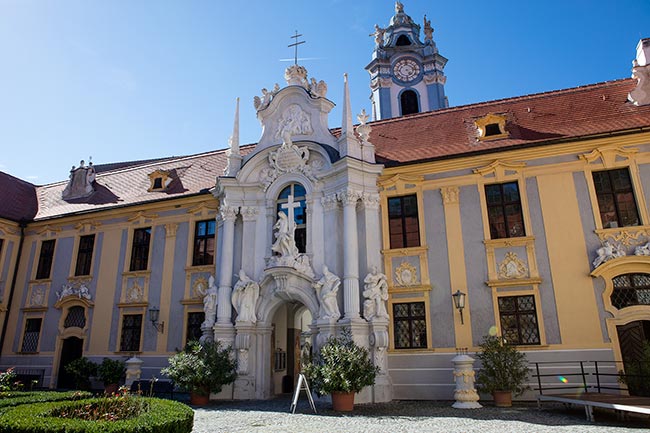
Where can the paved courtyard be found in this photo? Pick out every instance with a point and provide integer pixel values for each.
(405, 416)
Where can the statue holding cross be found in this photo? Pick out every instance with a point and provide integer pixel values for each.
(285, 242)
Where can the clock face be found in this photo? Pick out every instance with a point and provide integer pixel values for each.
(406, 70)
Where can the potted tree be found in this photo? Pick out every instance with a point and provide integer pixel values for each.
(341, 368)
(202, 369)
(503, 372)
(111, 372)
(81, 370)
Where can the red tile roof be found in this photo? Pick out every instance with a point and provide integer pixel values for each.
(531, 120)
(17, 198)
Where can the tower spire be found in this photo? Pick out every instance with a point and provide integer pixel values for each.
(233, 153)
(348, 143)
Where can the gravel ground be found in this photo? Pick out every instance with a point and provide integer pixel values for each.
(405, 416)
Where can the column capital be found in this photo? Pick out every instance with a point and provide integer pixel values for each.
(370, 200)
(348, 196)
(228, 213)
(329, 202)
(249, 213)
(450, 194)
(170, 229)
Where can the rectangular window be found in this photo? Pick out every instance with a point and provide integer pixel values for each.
(519, 319)
(45, 260)
(616, 198)
(204, 243)
(140, 249)
(194, 321)
(403, 224)
(32, 334)
(504, 210)
(85, 255)
(410, 323)
(131, 328)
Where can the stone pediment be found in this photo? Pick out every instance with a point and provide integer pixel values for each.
(298, 112)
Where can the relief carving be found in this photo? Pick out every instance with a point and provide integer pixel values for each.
(511, 267)
(406, 275)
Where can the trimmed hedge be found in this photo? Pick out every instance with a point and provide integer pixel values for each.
(15, 398)
(162, 416)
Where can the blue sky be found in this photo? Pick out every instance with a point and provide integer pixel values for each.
(135, 79)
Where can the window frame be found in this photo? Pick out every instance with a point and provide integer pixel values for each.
(204, 241)
(187, 324)
(121, 347)
(614, 193)
(517, 314)
(502, 206)
(403, 217)
(633, 287)
(45, 260)
(38, 335)
(301, 231)
(84, 261)
(410, 320)
(139, 251)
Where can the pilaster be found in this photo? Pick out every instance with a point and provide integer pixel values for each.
(224, 308)
(349, 199)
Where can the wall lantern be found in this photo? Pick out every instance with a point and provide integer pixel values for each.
(154, 314)
(459, 303)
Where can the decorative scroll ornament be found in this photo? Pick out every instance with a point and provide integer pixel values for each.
(511, 267)
(406, 275)
(626, 237)
(607, 252)
(69, 290)
(135, 293)
(363, 130)
(288, 158)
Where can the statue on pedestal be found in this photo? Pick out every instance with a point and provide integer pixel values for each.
(376, 294)
(210, 304)
(244, 298)
(326, 289)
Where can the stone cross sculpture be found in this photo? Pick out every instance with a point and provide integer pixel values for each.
(244, 298)
(210, 304)
(376, 294)
(326, 289)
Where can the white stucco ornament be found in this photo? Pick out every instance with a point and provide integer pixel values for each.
(288, 158)
(406, 274)
(69, 290)
(511, 267)
(376, 294)
(244, 298)
(607, 252)
(642, 250)
(326, 290)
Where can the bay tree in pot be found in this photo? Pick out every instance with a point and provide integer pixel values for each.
(111, 372)
(341, 368)
(503, 372)
(201, 369)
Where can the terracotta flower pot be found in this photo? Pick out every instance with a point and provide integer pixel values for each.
(111, 388)
(199, 399)
(343, 401)
(502, 398)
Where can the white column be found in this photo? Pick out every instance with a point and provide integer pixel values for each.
(224, 306)
(373, 227)
(349, 200)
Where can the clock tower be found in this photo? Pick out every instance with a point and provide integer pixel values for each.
(406, 74)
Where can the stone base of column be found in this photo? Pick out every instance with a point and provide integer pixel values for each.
(244, 388)
(207, 333)
(225, 333)
(382, 390)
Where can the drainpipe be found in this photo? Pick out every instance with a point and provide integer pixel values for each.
(23, 224)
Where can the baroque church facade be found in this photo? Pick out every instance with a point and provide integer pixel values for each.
(421, 231)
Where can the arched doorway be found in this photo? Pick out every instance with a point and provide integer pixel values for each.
(71, 349)
(291, 336)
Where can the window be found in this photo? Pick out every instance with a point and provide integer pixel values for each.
(409, 102)
(157, 183)
(204, 243)
(410, 325)
(45, 260)
(616, 198)
(32, 334)
(131, 328)
(76, 318)
(492, 129)
(403, 224)
(403, 41)
(194, 322)
(519, 319)
(504, 210)
(631, 289)
(85, 255)
(299, 205)
(140, 249)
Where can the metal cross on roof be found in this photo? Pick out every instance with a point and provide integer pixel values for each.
(295, 45)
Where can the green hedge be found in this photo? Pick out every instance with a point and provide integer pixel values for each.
(162, 416)
(14, 398)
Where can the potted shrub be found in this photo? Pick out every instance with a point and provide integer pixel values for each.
(341, 368)
(111, 372)
(202, 369)
(81, 370)
(503, 372)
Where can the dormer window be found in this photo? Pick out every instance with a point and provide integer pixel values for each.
(402, 41)
(491, 127)
(160, 180)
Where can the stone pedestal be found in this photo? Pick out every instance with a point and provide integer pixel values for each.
(207, 332)
(382, 391)
(133, 370)
(465, 395)
(244, 386)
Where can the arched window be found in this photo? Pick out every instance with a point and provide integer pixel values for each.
(76, 318)
(409, 102)
(402, 41)
(631, 289)
(293, 196)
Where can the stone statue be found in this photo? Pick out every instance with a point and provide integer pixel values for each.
(642, 250)
(376, 294)
(607, 252)
(285, 243)
(326, 289)
(399, 7)
(428, 30)
(210, 304)
(244, 298)
(379, 35)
